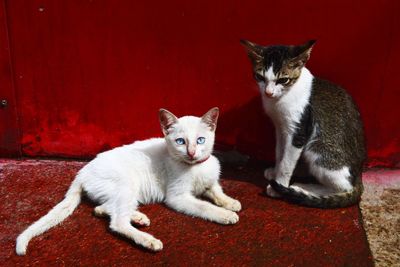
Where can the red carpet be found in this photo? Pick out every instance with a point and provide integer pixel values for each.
(269, 233)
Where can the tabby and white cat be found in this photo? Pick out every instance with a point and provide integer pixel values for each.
(315, 121)
(175, 169)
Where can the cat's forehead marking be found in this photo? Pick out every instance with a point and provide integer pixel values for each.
(268, 74)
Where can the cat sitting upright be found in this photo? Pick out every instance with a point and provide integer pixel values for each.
(315, 121)
(175, 169)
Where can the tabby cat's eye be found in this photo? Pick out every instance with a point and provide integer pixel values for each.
(201, 140)
(259, 77)
(283, 81)
(180, 141)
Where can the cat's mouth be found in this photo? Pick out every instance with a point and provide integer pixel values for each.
(202, 160)
(196, 161)
(269, 95)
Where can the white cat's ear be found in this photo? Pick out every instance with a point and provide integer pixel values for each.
(301, 54)
(167, 119)
(254, 51)
(211, 118)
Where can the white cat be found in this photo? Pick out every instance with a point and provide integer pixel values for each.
(175, 169)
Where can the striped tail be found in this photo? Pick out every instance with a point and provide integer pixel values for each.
(336, 200)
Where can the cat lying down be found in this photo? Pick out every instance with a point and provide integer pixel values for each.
(175, 169)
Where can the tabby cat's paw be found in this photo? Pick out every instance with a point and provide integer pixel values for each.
(269, 173)
(233, 205)
(271, 192)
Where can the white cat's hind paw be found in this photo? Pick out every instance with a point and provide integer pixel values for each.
(271, 192)
(100, 211)
(140, 219)
(269, 173)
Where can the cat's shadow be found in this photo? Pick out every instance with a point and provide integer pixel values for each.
(247, 129)
(249, 172)
(252, 172)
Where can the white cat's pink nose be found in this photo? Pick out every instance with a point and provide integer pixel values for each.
(191, 152)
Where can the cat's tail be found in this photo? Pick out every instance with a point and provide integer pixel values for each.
(336, 200)
(55, 216)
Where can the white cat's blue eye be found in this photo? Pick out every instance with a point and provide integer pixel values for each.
(180, 141)
(201, 140)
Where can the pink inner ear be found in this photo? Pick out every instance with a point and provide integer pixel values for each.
(214, 117)
(167, 119)
(211, 117)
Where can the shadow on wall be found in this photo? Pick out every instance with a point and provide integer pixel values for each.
(240, 129)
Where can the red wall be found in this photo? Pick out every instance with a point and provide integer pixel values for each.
(91, 75)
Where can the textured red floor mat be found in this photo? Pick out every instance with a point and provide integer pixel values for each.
(270, 232)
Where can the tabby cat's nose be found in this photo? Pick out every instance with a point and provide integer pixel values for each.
(269, 92)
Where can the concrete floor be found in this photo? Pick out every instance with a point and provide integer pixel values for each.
(270, 232)
(380, 208)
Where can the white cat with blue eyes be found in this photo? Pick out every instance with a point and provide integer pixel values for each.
(175, 169)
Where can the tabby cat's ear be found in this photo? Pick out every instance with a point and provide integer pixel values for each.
(167, 119)
(210, 118)
(301, 54)
(254, 51)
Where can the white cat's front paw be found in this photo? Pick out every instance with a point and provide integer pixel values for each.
(233, 205)
(271, 192)
(228, 217)
(269, 173)
(153, 244)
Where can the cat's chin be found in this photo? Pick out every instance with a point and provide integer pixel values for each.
(273, 97)
(196, 161)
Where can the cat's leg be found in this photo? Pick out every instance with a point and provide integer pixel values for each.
(140, 218)
(137, 217)
(316, 190)
(337, 180)
(217, 195)
(285, 168)
(122, 225)
(270, 172)
(101, 211)
(331, 181)
(188, 204)
(121, 216)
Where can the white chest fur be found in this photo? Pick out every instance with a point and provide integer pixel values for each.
(192, 178)
(286, 111)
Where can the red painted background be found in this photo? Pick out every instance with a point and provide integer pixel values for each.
(90, 75)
